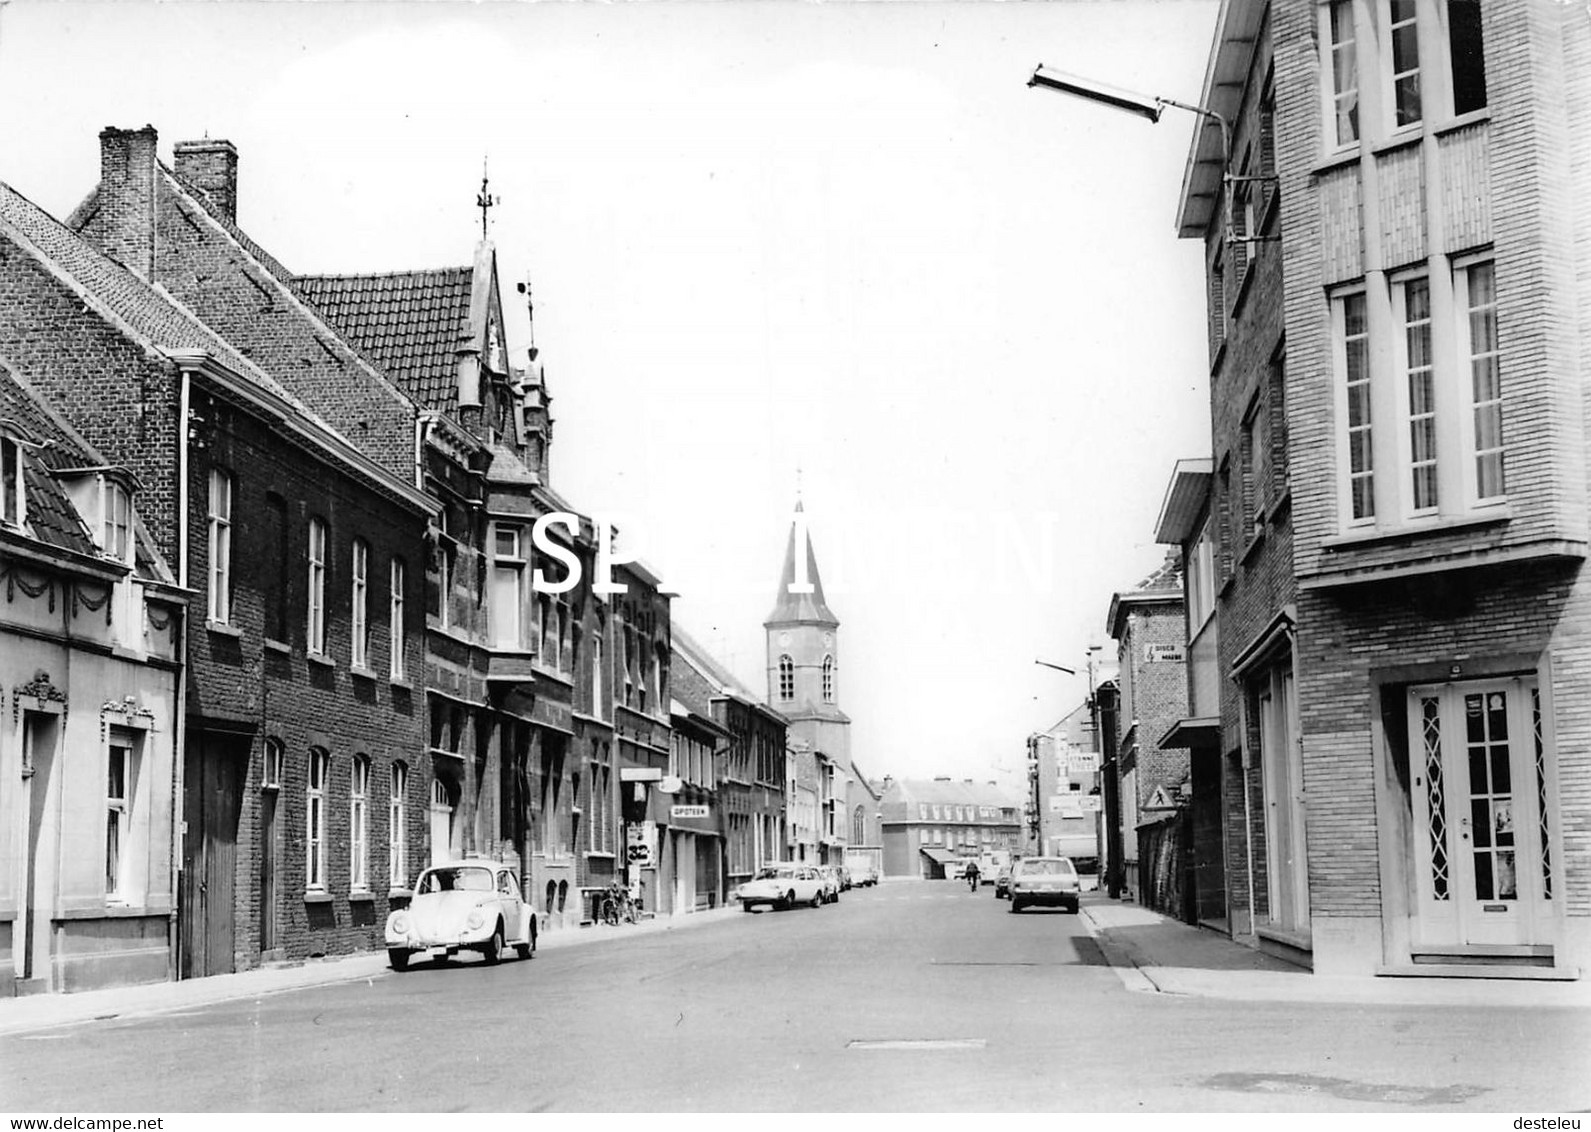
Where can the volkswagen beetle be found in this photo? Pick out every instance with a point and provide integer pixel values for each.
(469, 905)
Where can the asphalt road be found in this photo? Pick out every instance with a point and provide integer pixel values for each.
(913, 996)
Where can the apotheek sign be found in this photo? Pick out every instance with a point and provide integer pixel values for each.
(687, 811)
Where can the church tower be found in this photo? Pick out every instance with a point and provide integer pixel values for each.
(804, 683)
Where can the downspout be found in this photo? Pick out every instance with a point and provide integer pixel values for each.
(1248, 819)
(179, 724)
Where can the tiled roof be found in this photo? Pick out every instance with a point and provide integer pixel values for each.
(956, 792)
(243, 294)
(410, 323)
(51, 518)
(149, 313)
(704, 662)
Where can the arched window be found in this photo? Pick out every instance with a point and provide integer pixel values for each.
(858, 826)
(828, 679)
(359, 824)
(786, 677)
(397, 859)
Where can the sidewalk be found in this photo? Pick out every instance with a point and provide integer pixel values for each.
(43, 1011)
(1158, 955)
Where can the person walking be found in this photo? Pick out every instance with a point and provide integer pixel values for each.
(972, 875)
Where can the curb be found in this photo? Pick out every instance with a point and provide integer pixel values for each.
(1120, 958)
(55, 1011)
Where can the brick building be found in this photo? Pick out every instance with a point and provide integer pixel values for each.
(90, 660)
(1187, 522)
(298, 769)
(753, 818)
(1149, 627)
(1430, 817)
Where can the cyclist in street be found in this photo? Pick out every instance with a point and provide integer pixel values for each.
(972, 875)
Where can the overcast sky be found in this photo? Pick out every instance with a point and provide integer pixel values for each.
(840, 237)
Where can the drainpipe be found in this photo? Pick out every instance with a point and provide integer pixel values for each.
(1248, 820)
(179, 725)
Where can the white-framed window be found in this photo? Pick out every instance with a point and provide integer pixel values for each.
(120, 788)
(1475, 304)
(13, 495)
(828, 679)
(271, 767)
(315, 593)
(397, 820)
(786, 677)
(397, 637)
(1409, 82)
(1403, 27)
(315, 819)
(1411, 308)
(508, 585)
(359, 824)
(1352, 333)
(117, 514)
(598, 709)
(220, 528)
(359, 650)
(1342, 47)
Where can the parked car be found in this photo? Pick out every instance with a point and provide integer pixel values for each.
(1002, 881)
(863, 865)
(831, 883)
(781, 886)
(845, 877)
(469, 905)
(1044, 880)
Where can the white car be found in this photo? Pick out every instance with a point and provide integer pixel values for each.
(830, 876)
(470, 905)
(781, 886)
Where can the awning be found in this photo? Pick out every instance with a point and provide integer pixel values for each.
(939, 856)
(1193, 732)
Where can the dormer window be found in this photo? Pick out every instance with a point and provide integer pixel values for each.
(13, 509)
(116, 510)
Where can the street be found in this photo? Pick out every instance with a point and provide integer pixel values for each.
(913, 995)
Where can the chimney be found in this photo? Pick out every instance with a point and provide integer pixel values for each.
(126, 228)
(213, 167)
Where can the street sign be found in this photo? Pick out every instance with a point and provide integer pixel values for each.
(687, 811)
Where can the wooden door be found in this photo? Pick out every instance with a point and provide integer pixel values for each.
(212, 804)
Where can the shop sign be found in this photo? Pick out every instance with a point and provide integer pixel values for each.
(1089, 803)
(641, 844)
(687, 811)
(1173, 654)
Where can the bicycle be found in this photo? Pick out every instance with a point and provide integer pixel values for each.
(617, 907)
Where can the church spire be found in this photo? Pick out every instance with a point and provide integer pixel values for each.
(807, 608)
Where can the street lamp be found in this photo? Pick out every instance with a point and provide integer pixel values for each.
(1150, 107)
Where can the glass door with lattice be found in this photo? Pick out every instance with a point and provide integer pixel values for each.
(1479, 777)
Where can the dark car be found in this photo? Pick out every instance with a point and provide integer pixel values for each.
(1048, 881)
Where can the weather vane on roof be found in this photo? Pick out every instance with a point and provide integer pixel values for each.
(485, 200)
